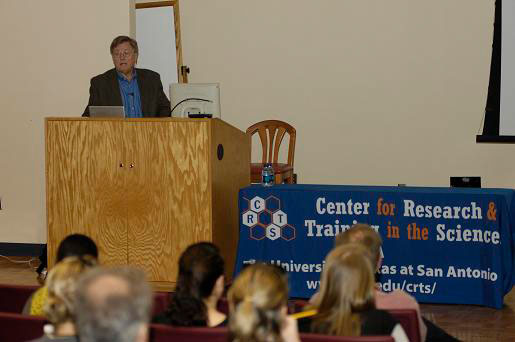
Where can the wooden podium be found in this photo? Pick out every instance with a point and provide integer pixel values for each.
(145, 189)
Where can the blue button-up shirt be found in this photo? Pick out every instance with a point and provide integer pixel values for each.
(130, 95)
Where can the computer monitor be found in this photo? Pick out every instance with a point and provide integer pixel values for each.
(197, 100)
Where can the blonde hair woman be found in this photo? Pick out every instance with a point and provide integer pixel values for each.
(258, 306)
(59, 308)
(345, 305)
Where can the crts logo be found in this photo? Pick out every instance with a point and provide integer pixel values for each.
(265, 218)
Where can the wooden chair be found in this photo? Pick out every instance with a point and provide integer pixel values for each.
(271, 134)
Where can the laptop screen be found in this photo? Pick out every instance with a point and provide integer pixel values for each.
(106, 112)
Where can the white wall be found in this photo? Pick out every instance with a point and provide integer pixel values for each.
(381, 92)
(50, 50)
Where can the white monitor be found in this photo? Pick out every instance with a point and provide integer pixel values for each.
(195, 100)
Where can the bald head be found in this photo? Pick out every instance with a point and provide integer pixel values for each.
(107, 286)
(113, 304)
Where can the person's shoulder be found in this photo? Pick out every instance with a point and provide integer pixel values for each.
(39, 299)
(222, 324)
(403, 294)
(378, 313)
(397, 299)
(147, 73)
(104, 76)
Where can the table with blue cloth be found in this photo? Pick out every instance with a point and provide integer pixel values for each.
(441, 245)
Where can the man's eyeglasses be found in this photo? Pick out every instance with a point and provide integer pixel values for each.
(121, 54)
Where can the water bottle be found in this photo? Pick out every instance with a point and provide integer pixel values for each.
(267, 175)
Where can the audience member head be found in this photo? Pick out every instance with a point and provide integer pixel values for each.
(124, 51)
(113, 305)
(258, 304)
(200, 279)
(62, 283)
(76, 245)
(346, 289)
(365, 235)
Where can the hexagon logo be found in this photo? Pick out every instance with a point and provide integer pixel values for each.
(273, 204)
(250, 218)
(273, 232)
(257, 232)
(257, 204)
(265, 217)
(288, 232)
(244, 204)
(280, 218)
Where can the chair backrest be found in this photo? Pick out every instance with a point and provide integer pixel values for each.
(327, 338)
(409, 320)
(14, 297)
(165, 333)
(20, 328)
(271, 134)
(162, 301)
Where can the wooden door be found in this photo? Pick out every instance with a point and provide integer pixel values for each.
(85, 185)
(169, 195)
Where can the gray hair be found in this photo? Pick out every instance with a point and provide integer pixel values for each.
(124, 39)
(115, 315)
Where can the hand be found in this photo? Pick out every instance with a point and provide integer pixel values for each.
(290, 331)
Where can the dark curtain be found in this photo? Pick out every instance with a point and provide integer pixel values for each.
(492, 110)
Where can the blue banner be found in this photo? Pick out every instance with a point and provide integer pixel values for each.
(441, 245)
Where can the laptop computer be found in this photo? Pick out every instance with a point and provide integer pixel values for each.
(106, 112)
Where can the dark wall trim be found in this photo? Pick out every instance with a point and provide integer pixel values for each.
(493, 101)
(21, 249)
(499, 139)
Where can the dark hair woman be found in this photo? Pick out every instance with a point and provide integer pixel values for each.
(200, 284)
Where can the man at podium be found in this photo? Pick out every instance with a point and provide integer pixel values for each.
(139, 91)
